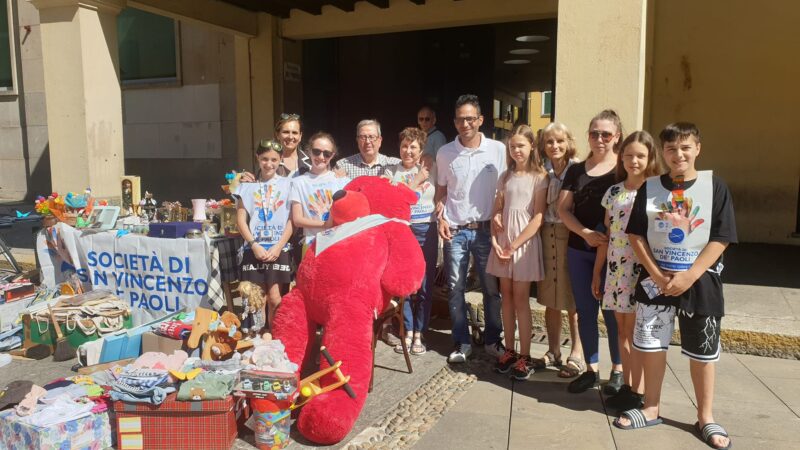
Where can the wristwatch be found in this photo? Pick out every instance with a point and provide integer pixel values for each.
(251, 242)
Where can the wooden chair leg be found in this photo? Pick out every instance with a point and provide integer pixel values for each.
(376, 327)
(406, 355)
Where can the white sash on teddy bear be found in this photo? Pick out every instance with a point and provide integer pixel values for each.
(333, 235)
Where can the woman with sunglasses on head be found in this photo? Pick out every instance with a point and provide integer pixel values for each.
(288, 136)
(581, 211)
(312, 193)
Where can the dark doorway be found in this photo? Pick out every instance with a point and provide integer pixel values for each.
(389, 76)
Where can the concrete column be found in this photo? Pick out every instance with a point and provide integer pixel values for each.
(82, 92)
(256, 63)
(600, 62)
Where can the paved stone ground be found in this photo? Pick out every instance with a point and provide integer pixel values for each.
(758, 401)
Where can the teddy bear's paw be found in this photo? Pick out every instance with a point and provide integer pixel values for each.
(329, 417)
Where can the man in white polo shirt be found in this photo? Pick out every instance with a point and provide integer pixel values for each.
(467, 172)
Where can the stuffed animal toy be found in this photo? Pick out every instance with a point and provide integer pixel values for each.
(226, 336)
(253, 301)
(347, 276)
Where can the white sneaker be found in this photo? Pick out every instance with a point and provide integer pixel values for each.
(495, 350)
(460, 354)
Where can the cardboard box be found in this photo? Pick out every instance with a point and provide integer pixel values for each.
(152, 342)
(88, 433)
(174, 425)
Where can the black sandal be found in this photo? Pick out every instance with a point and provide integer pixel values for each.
(710, 430)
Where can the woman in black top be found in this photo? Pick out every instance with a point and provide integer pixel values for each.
(581, 211)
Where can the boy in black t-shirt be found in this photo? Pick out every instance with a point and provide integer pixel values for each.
(679, 239)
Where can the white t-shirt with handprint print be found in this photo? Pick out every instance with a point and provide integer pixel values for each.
(267, 204)
(315, 194)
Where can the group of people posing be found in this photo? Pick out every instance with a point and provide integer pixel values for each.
(615, 233)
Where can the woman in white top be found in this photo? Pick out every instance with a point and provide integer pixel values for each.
(421, 178)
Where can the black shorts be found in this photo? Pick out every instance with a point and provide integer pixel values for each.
(699, 336)
(266, 273)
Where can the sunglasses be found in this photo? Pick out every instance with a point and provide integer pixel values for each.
(269, 144)
(469, 120)
(605, 135)
(424, 119)
(325, 153)
(285, 116)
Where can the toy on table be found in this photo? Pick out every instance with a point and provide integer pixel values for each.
(147, 207)
(220, 334)
(253, 301)
(311, 387)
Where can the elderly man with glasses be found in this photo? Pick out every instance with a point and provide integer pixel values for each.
(369, 161)
(426, 119)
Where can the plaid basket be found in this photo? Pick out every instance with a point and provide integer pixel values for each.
(209, 424)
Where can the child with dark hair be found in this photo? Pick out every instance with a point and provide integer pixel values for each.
(679, 227)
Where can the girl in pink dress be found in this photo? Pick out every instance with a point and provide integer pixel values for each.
(517, 257)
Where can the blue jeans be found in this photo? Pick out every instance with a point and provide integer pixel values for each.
(417, 309)
(456, 259)
(581, 265)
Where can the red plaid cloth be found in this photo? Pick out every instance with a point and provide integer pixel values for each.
(209, 424)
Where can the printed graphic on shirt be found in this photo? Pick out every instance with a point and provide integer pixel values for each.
(319, 203)
(681, 221)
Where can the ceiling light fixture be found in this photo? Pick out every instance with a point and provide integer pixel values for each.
(532, 38)
(517, 61)
(524, 51)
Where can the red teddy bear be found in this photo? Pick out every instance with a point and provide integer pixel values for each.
(348, 275)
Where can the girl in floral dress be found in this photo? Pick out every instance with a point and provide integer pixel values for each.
(637, 160)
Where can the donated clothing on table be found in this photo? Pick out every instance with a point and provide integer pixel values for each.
(213, 387)
(470, 176)
(587, 191)
(60, 411)
(518, 206)
(155, 395)
(354, 166)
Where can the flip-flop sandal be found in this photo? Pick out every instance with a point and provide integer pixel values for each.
(547, 360)
(637, 419)
(573, 368)
(418, 348)
(710, 430)
(399, 347)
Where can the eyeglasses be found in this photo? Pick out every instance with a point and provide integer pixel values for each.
(269, 144)
(325, 153)
(367, 138)
(605, 135)
(424, 119)
(469, 120)
(285, 116)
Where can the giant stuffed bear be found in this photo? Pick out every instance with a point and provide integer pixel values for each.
(347, 276)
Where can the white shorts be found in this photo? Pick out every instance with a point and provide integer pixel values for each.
(654, 326)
